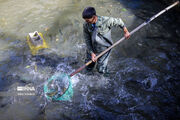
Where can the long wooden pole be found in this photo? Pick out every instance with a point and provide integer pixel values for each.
(132, 32)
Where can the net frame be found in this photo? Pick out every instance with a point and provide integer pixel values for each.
(68, 93)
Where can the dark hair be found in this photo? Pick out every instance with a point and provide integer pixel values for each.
(88, 12)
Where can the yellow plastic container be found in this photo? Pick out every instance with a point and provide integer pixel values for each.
(36, 42)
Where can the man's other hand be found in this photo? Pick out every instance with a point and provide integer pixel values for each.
(126, 33)
(93, 56)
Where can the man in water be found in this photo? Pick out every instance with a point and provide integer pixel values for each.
(97, 35)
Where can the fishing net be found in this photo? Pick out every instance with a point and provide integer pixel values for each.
(58, 87)
(36, 42)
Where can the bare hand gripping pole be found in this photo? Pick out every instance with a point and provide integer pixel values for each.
(132, 32)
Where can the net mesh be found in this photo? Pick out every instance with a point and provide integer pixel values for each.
(58, 87)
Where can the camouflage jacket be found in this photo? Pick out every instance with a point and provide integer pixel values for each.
(103, 26)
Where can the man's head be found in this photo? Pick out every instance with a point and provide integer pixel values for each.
(89, 15)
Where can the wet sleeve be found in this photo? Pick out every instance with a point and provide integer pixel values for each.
(87, 38)
(117, 22)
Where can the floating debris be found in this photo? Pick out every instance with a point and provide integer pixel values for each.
(28, 66)
(140, 44)
(124, 9)
(46, 29)
(35, 67)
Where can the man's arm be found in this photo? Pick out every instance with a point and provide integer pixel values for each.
(118, 22)
(88, 42)
(87, 38)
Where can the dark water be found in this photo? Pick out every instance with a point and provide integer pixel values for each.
(144, 84)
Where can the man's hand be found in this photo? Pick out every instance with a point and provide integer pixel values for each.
(93, 56)
(126, 33)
